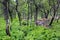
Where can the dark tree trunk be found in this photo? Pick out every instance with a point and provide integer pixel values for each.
(6, 16)
(28, 12)
(55, 9)
(31, 13)
(10, 11)
(53, 14)
(36, 13)
(46, 14)
(19, 14)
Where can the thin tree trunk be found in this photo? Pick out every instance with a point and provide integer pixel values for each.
(28, 13)
(53, 14)
(31, 13)
(18, 13)
(36, 14)
(46, 14)
(10, 11)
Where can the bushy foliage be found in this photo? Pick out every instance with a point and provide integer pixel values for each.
(30, 32)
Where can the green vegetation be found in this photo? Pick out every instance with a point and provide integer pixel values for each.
(29, 19)
(30, 32)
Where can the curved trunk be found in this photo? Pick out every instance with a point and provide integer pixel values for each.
(53, 14)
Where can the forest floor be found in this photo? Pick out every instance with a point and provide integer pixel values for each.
(30, 32)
